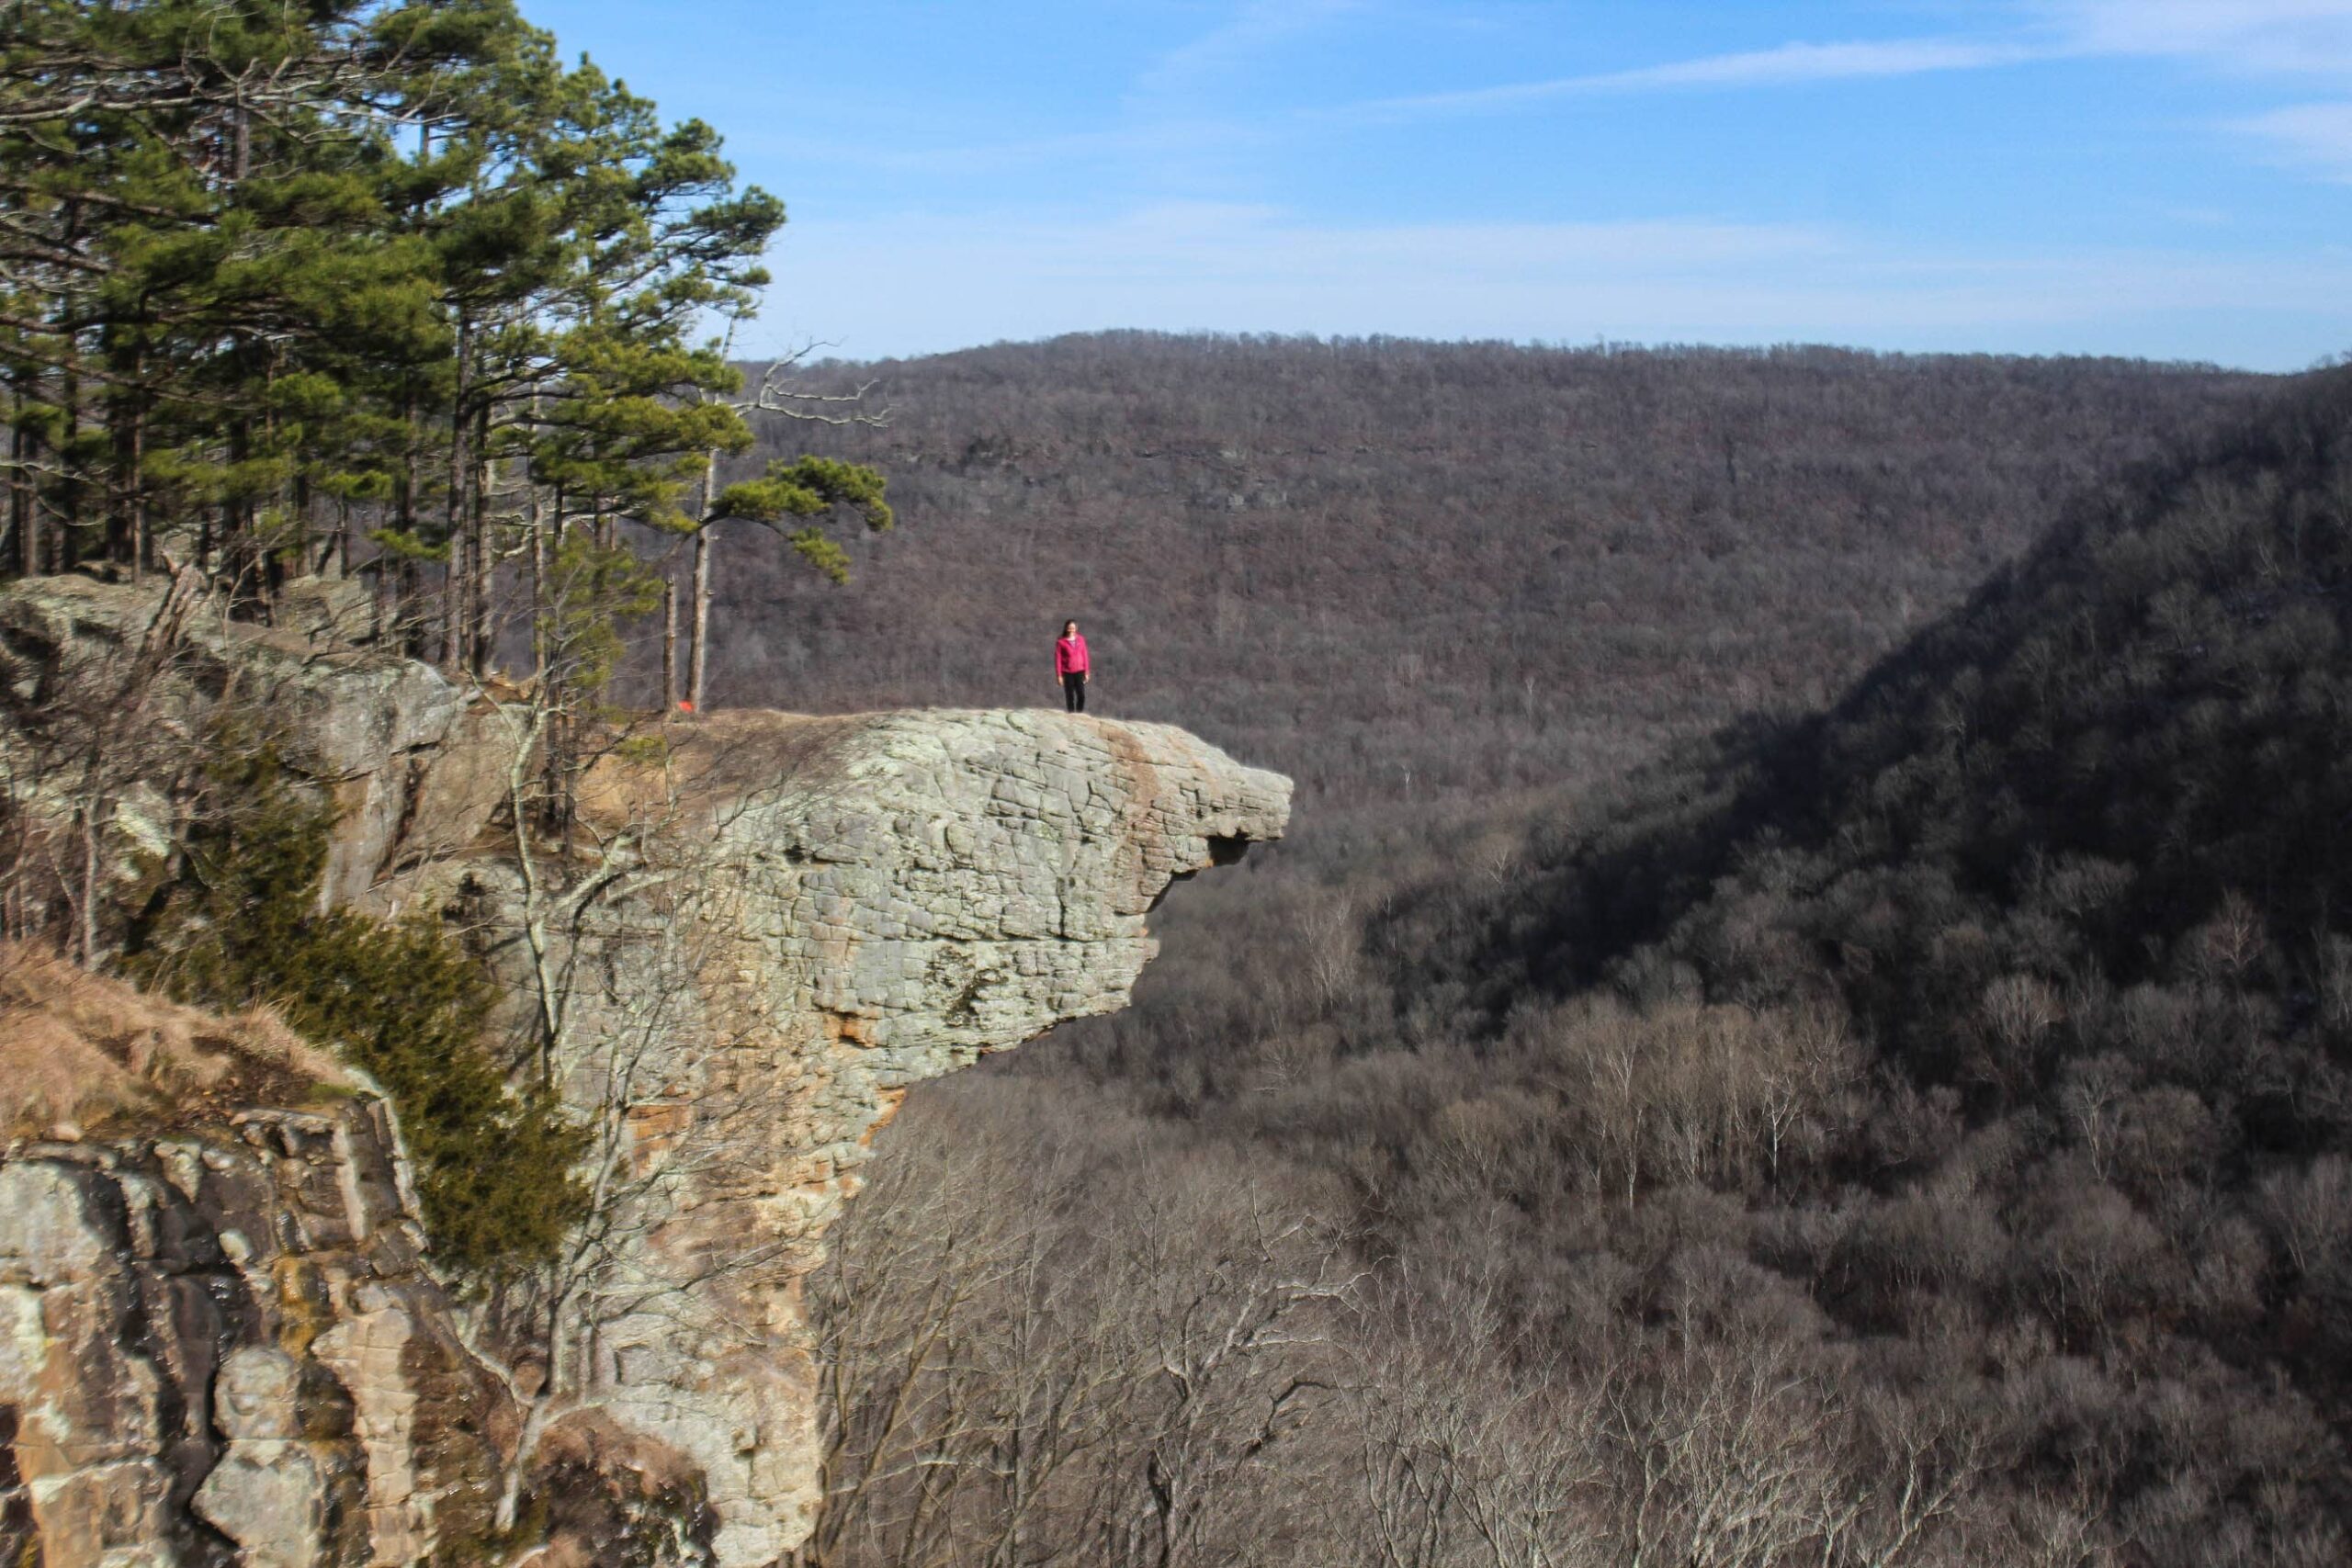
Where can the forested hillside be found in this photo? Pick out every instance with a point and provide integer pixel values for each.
(1915, 1132)
(1399, 570)
(2061, 885)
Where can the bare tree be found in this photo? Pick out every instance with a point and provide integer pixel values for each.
(93, 734)
(777, 393)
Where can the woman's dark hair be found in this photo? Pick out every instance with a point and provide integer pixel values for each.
(1067, 624)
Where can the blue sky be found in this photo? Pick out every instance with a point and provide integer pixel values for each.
(2170, 179)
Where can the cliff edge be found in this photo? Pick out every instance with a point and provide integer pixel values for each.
(761, 930)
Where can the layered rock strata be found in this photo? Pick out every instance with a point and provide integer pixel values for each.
(833, 910)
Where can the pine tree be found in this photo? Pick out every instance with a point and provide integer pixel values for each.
(280, 276)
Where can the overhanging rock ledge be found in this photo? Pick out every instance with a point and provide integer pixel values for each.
(794, 919)
(834, 910)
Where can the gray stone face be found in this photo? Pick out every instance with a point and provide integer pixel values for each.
(269, 1496)
(807, 918)
(166, 1312)
(254, 1398)
(372, 729)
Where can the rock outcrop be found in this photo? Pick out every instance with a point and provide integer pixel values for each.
(414, 766)
(836, 911)
(217, 1341)
(769, 928)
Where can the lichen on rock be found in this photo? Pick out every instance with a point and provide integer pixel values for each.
(168, 1307)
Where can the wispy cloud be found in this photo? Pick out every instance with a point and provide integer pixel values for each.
(1789, 64)
(2255, 37)
(1793, 63)
(2292, 39)
(1254, 27)
(1168, 126)
(2316, 136)
(2269, 37)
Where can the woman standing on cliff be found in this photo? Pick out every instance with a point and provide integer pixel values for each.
(1071, 668)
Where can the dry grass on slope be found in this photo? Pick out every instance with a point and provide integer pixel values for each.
(81, 1054)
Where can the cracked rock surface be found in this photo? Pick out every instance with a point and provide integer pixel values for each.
(181, 1321)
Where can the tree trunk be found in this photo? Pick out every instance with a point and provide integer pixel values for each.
(237, 524)
(86, 928)
(481, 632)
(141, 548)
(457, 578)
(669, 645)
(539, 586)
(123, 482)
(69, 491)
(702, 617)
(24, 506)
(405, 518)
(302, 503)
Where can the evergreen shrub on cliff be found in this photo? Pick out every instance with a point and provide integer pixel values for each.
(401, 1000)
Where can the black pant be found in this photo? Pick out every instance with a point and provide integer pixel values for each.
(1074, 692)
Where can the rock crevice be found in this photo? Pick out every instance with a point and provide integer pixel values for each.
(195, 1354)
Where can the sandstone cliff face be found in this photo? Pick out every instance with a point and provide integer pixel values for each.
(216, 1335)
(220, 1348)
(413, 768)
(225, 1351)
(786, 923)
(853, 905)
(218, 1343)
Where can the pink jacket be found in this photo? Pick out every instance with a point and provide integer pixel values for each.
(1069, 655)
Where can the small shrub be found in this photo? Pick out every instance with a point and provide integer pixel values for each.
(400, 1000)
